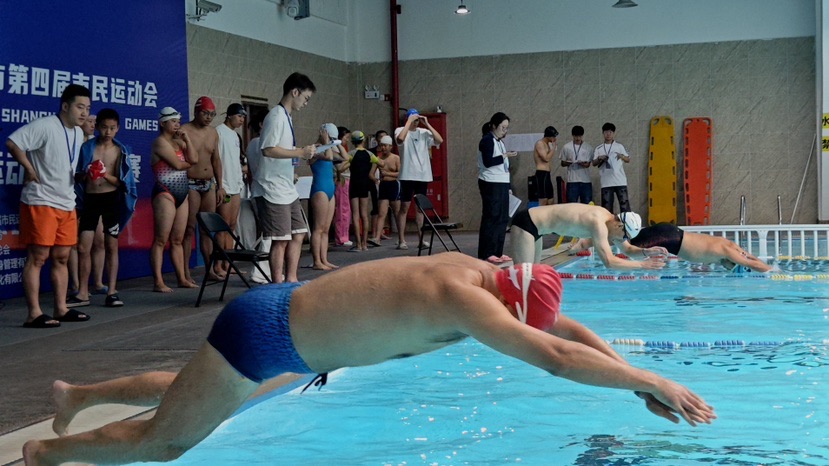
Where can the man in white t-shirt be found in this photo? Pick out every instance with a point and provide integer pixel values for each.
(48, 150)
(280, 214)
(576, 156)
(230, 152)
(610, 157)
(415, 145)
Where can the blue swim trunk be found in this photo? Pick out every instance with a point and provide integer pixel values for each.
(253, 334)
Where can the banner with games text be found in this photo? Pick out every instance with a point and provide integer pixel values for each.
(133, 58)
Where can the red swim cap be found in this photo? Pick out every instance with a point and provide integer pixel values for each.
(534, 291)
(205, 103)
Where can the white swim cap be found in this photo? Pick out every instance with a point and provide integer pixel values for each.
(331, 129)
(168, 113)
(632, 222)
(386, 140)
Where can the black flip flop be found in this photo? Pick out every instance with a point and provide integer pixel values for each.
(113, 301)
(73, 316)
(42, 321)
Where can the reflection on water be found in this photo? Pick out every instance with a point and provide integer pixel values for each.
(799, 354)
(716, 302)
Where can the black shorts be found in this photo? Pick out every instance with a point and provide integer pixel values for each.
(359, 188)
(544, 185)
(409, 188)
(390, 190)
(104, 206)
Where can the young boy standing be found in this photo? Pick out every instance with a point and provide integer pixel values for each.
(106, 191)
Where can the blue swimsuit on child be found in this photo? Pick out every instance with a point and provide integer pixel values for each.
(323, 180)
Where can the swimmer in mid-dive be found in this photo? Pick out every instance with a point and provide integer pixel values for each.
(692, 247)
(582, 221)
(327, 324)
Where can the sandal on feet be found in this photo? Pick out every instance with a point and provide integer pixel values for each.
(42, 321)
(374, 242)
(102, 290)
(74, 301)
(113, 301)
(72, 316)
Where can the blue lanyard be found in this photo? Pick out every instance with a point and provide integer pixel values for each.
(69, 149)
(294, 162)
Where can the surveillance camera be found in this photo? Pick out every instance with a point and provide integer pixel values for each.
(208, 6)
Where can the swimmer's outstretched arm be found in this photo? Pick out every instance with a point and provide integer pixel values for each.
(484, 318)
(572, 330)
(738, 255)
(612, 262)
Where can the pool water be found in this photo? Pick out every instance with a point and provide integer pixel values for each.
(467, 404)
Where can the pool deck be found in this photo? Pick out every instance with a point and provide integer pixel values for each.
(152, 332)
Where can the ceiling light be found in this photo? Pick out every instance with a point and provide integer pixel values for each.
(625, 4)
(462, 10)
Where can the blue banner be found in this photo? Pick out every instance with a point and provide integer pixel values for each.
(133, 58)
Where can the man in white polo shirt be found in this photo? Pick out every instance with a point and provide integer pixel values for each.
(414, 143)
(48, 150)
(280, 214)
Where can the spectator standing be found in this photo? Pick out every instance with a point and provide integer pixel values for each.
(173, 154)
(543, 152)
(389, 190)
(107, 194)
(48, 149)
(322, 198)
(230, 153)
(280, 212)
(494, 183)
(342, 213)
(610, 157)
(415, 143)
(205, 179)
(576, 156)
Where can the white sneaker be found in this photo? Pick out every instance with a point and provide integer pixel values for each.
(348, 243)
(424, 244)
(402, 246)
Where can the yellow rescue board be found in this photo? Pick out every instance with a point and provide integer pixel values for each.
(662, 191)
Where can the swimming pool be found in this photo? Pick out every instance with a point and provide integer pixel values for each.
(755, 348)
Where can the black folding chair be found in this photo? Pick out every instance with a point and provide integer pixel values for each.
(213, 224)
(432, 222)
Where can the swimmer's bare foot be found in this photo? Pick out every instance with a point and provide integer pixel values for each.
(215, 277)
(320, 267)
(65, 406)
(30, 452)
(162, 289)
(328, 264)
(186, 284)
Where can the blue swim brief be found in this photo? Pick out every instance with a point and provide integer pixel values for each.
(253, 334)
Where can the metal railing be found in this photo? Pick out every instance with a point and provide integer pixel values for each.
(774, 241)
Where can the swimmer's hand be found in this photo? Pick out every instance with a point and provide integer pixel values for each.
(675, 399)
(652, 264)
(511, 153)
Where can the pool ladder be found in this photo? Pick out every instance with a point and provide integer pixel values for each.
(743, 215)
